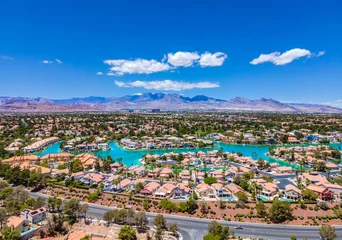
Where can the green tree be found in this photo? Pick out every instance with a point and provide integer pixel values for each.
(261, 209)
(10, 234)
(216, 232)
(309, 194)
(210, 180)
(127, 233)
(3, 217)
(327, 232)
(280, 211)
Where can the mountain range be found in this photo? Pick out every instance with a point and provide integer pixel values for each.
(162, 101)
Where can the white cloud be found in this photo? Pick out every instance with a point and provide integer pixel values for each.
(58, 61)
(138, 94)
(212, 60)
(99, 73)
(47, 62)
(166, 85)
(182, 59)
(281, 59)
(6, 58)
(139, 66)
(337, 103)
(320, 53)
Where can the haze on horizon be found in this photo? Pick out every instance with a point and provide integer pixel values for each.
(289, 51)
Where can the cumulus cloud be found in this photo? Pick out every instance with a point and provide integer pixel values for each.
(182, 59)
(281, 59)
(139, 66)
(166, 85)
(47, 62)
(58, 61)
(99, 73)
(212, 59)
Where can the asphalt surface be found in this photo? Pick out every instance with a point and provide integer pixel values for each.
(196, 228)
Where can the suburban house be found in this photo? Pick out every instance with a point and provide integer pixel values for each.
(154, 173)
(283, 170)
(165, 190)
(335, 188)
(312, 178)
(138, 171)
(205, 190)
(92, 178)
(34, 216)
(269, 189)
(220, 190)
(18, 223)
(150, 188)
(166, 173)
(182, 189)
(185, 175)
(323, 192)
(292, 192)
(233, 188)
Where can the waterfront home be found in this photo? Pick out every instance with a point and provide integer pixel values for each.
(19, 159)
(150, 188)
(323, 192)
(57, 156)
(39, 145)
(165, 191)
(137, 170)
(182, 189)
(283, 170)
(114, 167)
(185, 175)
(292, 192)
(220, 190)
(33, 216)
(18, 223)
(87, 160)
(205, 191)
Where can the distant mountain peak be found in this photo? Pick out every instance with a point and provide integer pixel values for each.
(163, 101)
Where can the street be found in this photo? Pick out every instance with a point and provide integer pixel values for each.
(196, 228)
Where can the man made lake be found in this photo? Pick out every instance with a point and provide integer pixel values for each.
(131, 157)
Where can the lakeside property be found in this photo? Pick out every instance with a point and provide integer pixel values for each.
(131, 157)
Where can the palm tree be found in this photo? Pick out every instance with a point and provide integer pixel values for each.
(328, 170)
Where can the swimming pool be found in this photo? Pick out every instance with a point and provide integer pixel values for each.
(285, 199)
(263, 198)
(180, 198)
(226, 199)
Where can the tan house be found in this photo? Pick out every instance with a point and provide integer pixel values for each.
(292, 192)
(18, 223)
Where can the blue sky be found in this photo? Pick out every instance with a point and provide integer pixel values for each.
(58, 49)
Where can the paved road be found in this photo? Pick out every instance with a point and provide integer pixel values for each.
(196, 228)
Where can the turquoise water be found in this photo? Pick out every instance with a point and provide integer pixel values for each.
(263, 198)
(131, 157)
(226, 199)
(285, 199)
